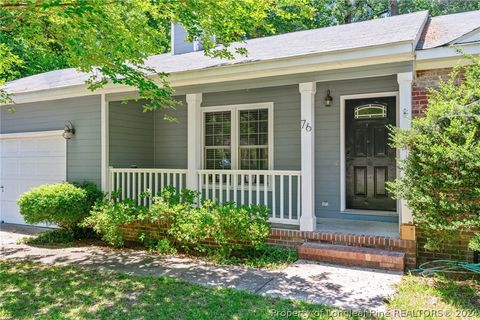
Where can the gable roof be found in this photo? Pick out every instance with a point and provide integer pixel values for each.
(372, 33)
(378, 32)
(443, 30)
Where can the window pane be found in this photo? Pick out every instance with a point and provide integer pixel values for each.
(218, 158)
(253, 158)
(369, 111)
(253, 124)
(218, 128)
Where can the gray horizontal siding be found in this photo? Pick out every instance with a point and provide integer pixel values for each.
(131, 135)
(286, 112)
(327, 141)
(83, 150)
(171, 150)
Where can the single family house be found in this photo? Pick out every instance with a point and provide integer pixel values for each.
(299, 125)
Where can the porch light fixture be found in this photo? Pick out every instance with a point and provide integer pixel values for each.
(328, 99)
(68, 130)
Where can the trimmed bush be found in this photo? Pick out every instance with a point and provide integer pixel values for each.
(62, 204)
(93, 193)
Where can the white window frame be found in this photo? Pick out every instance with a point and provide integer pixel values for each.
(235, 130)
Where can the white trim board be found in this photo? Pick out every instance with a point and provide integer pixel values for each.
(235, 134)
(105, 143)
(30, 135)
(343, 199)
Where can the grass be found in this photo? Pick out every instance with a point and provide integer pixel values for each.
(34, 291)
(31, 290)
(437, 298)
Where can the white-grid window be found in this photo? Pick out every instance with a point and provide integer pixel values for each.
(238, 137)
(253, 143)
(218, 138)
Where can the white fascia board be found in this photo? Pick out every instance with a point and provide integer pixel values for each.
(398, 52)
(445, 57)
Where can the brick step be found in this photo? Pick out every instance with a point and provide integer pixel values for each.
(353, 256)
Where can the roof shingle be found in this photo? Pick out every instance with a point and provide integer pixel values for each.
(378, 32)
(442, 30)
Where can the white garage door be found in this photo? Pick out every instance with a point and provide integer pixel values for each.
(28, 160)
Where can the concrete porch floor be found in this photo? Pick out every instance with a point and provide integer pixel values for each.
(360, 227)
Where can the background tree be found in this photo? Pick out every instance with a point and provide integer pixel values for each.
(441, 180)
(114, 37)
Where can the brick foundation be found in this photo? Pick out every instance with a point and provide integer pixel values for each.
(134, 229)
(455, 250)
(295, 238)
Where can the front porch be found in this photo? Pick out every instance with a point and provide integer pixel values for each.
(280, 191)
(295, 167)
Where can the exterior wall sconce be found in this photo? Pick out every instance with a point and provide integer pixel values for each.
(68, 130)
(328, 99)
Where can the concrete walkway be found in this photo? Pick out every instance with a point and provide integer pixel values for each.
(343, 287)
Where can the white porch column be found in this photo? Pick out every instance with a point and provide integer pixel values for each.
(308, 221)
(104, 138)
(194, 101)
(405, 80)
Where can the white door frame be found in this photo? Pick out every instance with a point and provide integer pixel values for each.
(343, 199)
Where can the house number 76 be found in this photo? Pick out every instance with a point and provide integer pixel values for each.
(306, 125)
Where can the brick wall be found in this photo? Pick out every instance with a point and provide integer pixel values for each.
(295, 238)
(424, 80)
(455, 250)
(134, 229)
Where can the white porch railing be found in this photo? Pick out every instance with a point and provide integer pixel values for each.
(278, 190)
(130, 183)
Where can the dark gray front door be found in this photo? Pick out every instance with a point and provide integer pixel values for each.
(370, 161)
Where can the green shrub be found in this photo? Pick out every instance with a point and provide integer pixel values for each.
(161, 246)
(56, 237)
(62, 204)
(108, 215)
(442, 171)
(94, 194)
(225, 227)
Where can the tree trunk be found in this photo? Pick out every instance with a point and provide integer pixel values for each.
(393, 7)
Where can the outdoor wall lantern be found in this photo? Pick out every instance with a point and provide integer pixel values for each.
(328, 99)
(68, 130)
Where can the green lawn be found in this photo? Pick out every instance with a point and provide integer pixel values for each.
(437, 298)
(35, 291)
